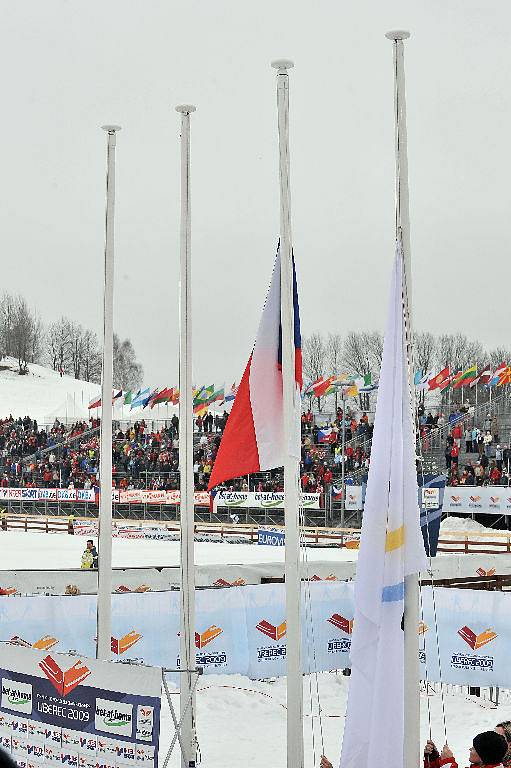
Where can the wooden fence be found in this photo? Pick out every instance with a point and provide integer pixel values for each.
(485, 543)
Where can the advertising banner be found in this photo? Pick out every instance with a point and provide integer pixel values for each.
(490, 499)
(138, 496)
(271, 537)
(353, 498)
(242, 630)
(474, 637)
(261, 500)
(431, 498)
(78, 712)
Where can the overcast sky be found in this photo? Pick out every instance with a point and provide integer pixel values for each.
(69, 66)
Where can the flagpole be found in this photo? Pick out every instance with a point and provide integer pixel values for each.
(187, 695)
(104, 609)
(411, 746)
(295, 756)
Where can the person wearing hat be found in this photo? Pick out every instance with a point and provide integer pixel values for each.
(488, 750)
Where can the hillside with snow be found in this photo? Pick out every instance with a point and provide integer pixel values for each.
(43, 394)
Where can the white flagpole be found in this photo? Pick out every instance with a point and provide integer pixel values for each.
(187, 696)
(104, 615)
(292, 571)
(411, 747)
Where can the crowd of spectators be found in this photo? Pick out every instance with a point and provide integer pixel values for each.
(473, 452)
(67, 456)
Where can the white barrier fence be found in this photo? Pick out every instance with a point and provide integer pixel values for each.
(242, 630)
(489, 499)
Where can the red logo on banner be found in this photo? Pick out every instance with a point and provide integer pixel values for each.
(119, 645)
(67, 681)
(476, 641)
(345, 625)
(275, 632)
(207, 636)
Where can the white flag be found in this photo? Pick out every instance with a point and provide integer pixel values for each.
(391, 548)
(423, 383)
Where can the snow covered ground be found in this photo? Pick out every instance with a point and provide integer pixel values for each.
(43, 394)
(242, 722)
(45, 551)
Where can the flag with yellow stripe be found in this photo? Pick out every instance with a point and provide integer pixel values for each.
(391, 548)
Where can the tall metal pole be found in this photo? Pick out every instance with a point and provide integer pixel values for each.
(187, 695)
(104, 615)
(291, 463)
(411, 747)
(343, 469)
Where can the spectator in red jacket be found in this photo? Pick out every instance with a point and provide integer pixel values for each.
(488, 750)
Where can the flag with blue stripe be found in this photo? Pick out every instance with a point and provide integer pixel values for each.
(391, 548)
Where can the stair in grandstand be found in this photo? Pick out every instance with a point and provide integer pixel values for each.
(58, 446)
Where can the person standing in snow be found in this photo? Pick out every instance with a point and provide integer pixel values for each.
(90, 556)
(488, 750)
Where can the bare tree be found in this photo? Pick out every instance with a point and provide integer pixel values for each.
(7, 312)
(26, 334)
(374, 343)
(128, 373)
(58, 344)
(357, 353)
(458, 352)
(314, 354)
(498, 356)
(91, 361)
(425, 351)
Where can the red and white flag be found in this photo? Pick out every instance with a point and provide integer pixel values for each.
(253, 438)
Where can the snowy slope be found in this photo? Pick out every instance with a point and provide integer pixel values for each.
(43, 394)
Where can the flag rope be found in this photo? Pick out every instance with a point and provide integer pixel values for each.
(309, 624)
(433, 599)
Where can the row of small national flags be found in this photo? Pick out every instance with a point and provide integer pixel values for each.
(203, 397)
(351, 386)
(469, 378)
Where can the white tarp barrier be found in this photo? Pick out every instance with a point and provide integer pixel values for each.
(54, 582)
(243, 629)
(261, 500)
(489, 499)
(57, 709)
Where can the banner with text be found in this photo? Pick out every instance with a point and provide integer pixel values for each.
(57, 709)
(261, 500)
(490, 499)
(242, 630)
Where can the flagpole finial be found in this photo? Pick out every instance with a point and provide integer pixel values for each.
(185, 109)
(397, 34)
(111, 128)
(282, 65)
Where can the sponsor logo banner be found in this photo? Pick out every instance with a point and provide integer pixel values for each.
(271, 537)
(492, 500)
(242, 631)
(107, 715)
(261, 500)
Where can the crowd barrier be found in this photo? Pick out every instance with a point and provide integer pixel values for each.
(91, 496)
(261, 500)
(488, 499)
(242, 630)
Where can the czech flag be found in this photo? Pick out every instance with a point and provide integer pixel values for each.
(324, 435)
(253, 438)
